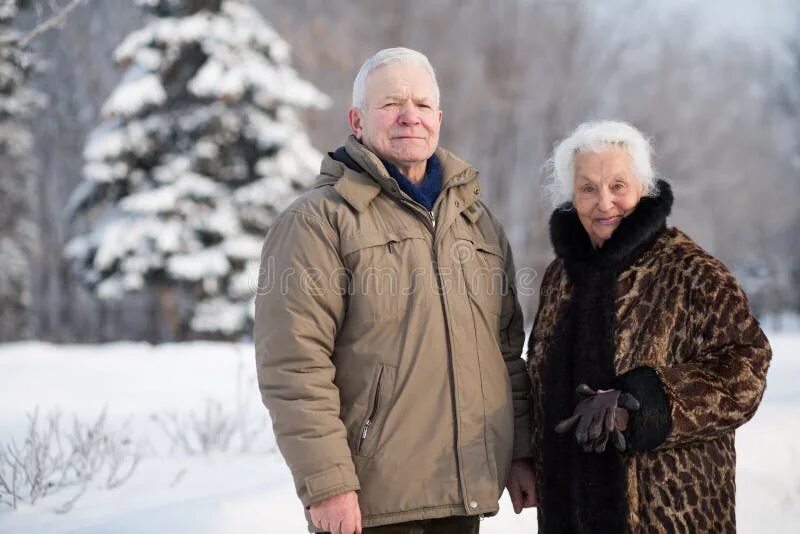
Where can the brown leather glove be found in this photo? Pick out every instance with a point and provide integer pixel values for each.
(599, 415)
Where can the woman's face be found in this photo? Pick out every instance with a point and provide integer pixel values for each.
(606, 190)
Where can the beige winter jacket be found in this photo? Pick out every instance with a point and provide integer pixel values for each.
(388, 344)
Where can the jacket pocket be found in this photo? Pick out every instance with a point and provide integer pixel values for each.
(485, 280)
(380, 269)
(380, 398)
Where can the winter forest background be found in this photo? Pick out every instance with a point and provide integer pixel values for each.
(716, 88)
(146, 146)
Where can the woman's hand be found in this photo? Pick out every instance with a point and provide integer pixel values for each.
(597, 416)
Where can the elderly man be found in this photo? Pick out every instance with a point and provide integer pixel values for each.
(389, 357)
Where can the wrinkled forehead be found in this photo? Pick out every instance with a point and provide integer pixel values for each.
(407, 78)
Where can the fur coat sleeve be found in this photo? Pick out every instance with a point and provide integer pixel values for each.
(715, 380)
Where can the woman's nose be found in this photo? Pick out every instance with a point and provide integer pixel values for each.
(606, 200)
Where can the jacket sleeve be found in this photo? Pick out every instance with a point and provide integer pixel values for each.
(717, 382)
(512, 339)
(299, 310)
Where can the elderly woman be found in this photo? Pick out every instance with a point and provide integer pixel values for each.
(644, 356)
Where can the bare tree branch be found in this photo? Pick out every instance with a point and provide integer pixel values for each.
(56, 20)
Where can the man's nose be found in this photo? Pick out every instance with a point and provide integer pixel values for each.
(409, 114)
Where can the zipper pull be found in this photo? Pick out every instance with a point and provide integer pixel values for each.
(433, 219)
(366, 429)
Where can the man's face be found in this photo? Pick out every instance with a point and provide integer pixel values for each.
(401, 119)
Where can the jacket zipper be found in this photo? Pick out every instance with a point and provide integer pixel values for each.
(417, 208)
(410, 204)
(375, 399)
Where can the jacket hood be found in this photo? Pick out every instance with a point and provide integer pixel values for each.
(359, 175)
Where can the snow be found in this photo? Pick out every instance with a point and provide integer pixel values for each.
(98, 172)
(158, 200)
(111, 288)
(243, 247)
(222, 221)
(8, 10)
(244, 53)
(245, 283)
(253, 492)
(277, 190)
(104, 143)
(219, 315)
(203, 264)
(165, 199)
(131, 97)
(120, 238)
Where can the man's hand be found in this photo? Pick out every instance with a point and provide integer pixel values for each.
(521, 485)
(339, 514)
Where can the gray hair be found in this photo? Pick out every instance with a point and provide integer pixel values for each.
(594, 137)
(387, 56)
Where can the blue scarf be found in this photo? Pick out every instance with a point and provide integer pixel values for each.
(428, 189)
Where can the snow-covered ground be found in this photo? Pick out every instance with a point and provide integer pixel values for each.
(234, 492)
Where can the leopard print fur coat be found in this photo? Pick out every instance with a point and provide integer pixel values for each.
(651, 313)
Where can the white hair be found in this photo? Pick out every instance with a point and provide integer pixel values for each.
(595, 136)
(387, 56)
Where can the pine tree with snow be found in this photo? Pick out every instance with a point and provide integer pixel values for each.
(199, 149)
(17, 227)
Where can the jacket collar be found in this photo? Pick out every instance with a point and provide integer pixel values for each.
(634, 234)
(362, 175)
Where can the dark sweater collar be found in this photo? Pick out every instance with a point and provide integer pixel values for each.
(424, 193)
(634, 234)
(428, 189)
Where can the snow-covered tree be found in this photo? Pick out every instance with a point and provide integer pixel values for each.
(17, 228)
(200, 147)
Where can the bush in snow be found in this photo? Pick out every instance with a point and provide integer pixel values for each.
(17, 228)
(214, 430)
(55, 458)
(199, 149)
(218, 429)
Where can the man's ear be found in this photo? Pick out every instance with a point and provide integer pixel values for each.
(354, 118)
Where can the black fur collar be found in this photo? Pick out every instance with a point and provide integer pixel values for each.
(571, 242)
